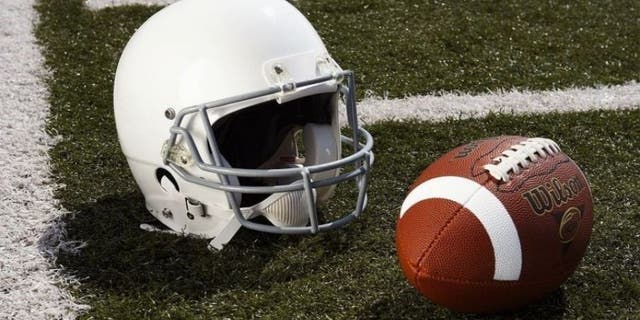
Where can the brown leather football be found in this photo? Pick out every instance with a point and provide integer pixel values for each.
(494, 224)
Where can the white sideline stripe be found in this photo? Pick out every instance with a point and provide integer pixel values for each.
(30, 236)
(487, 208)
(99, 4)
(464, 105)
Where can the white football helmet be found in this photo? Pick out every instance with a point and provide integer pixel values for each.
(212, 99)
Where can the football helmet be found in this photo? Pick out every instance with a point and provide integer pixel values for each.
(227, 110)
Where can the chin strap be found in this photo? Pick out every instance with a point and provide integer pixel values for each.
(284, 209)
(287, 209)
(225, 235)
(321, 146)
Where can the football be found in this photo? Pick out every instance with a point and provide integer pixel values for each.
(494, 224)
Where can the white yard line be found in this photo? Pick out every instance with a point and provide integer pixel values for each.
(462, 105)
(30, 285)
(99, 4)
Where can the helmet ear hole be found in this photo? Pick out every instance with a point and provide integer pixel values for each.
(163, 177)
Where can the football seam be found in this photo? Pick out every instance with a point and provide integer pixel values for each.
(437, 237)
(475, 162)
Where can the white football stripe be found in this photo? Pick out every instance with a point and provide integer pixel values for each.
(487, 208)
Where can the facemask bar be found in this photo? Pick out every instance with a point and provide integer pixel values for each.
(362, 159)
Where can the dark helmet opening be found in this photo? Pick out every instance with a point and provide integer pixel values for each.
(250, 137)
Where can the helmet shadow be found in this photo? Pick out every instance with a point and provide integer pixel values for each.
(120, 258)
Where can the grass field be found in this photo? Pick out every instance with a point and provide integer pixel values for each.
(397, 49)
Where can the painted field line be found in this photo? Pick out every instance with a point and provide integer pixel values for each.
(100, 4)
(30, 285)
(462, 105)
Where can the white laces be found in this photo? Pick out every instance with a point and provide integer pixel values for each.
(520, 156)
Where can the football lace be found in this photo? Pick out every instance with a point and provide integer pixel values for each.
(520, 156)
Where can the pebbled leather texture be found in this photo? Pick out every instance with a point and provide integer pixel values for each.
(446, 253)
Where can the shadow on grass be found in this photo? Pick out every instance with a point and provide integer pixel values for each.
(120, 257)
(411, 305)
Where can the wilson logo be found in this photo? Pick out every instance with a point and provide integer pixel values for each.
(569, 224)
(544, 198)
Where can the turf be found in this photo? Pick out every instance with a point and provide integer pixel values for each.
(352, 273)
(415, 47)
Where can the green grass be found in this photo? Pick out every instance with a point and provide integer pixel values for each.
(410, 47)
(352, 273)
